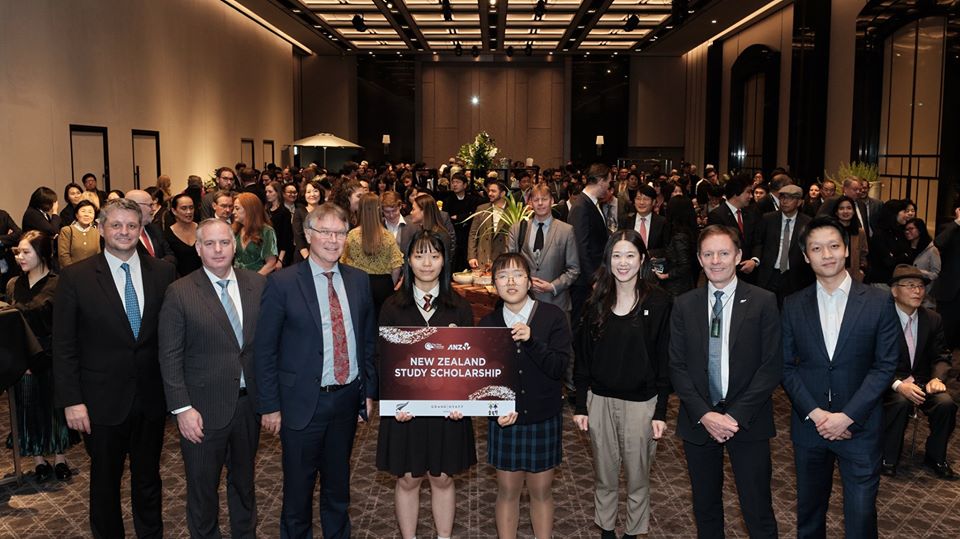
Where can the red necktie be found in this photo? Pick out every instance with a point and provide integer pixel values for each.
(341, 357)
(740, 221)
(146, 242)
(643, 230)
(426, 302)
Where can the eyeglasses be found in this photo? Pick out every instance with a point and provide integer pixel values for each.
(329, 234)
(516, 276)
(911, 287)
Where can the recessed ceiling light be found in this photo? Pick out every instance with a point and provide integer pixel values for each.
(389, 5)
(615, 53)
(608, 71)
(669, 27)
(584, 87)
(690, 11)
(591, 11)
(587, 53)
(714, 21)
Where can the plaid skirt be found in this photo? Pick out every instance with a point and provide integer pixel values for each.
(536, 447)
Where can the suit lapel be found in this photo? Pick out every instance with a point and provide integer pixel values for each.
(350, 286)
(249, 300)
(109, 288)
(923, 333)
(206, 290)
(850, 315)
(150, 294)
(812, 315)
(740, 306)
(701, 328)
(309, 291)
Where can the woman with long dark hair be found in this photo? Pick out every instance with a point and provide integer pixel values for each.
(925, 255)
(526, 446)
(679, 275)
(437, 448)
(426, 215)
(281, 220)
(888, 245)
(41, 213)
(623, 380)
(42, 427)
(845, 211)
(372, 248)
(313, 196)
(182, 234)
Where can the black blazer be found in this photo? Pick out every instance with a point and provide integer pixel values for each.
(767, 205)
(541, 361)
(96, 360)
(161, 247)
(561, 211)
(33, 219)
(9, 238)
(749, 238)
(799, 275)
(591, 233)
(932, 358)
(947, 287)
(755, 360)
(656, 236)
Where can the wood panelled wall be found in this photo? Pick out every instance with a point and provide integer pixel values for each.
(522, 107)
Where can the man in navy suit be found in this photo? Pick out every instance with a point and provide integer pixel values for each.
(591, 233)
(840, 351)
(314, 362)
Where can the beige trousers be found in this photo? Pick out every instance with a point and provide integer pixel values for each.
(621, 434)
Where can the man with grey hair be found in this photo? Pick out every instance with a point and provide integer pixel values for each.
(316, 309)
(106, 372)
(207, 325)
(152, 241)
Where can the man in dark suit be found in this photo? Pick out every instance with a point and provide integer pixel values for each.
(152, 242)
(250, 183)
(869, 207)
(651, 227)
(460, 205)
(918, 381)
(106, 372)
(946, 289)
(207, 325)
(783, 270)
(226, 180)
(591, 232)
(314, 362)
(771, 202)
(736, 212)
(89, 181)
(724, 367)
(840, 350)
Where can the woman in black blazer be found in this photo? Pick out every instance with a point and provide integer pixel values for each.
(41, 213)
(436, 447)
(526, 445)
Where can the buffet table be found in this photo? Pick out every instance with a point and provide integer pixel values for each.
(481, 300)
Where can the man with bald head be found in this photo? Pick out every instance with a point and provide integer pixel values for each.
(152, 243)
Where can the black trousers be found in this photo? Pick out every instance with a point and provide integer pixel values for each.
(236, 447)
(941, 412)
(108, 446)
(752, 471)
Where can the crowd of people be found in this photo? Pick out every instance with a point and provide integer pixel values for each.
(621, 286)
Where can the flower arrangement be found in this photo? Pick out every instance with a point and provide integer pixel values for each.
(865, 171)
(479, 154)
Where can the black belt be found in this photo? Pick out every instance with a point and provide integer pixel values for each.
(332, 388)
(243, 392)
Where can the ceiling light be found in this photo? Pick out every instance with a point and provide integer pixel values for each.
(539, 10)
(714, 21)
(358, 23)
(296, 11)
(608, 71)
(550, 53)
(389, 5)
(632, 23)
(474, 100)
(458, 50)
(669, 27)
(690, 11)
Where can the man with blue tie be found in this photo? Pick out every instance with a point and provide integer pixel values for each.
(840, 350)
(314, 362)
(106, 372)
(207, 325)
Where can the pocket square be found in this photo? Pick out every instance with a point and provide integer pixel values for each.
(743, 301)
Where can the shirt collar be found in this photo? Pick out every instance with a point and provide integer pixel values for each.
(317, 271)
(523, 315)
(730, 289)
(733, 209)
(232, 276)
(546, 222)
(904, 316)
(419, 294)
(844, 287)
(114, 263)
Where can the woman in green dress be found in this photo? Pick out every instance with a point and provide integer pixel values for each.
(256, 239)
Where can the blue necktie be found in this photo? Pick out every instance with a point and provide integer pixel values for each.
(231, 310)
(716, 341)
(130, 302)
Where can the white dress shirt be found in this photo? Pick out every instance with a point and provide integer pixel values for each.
(783, 220)
(395, 229)
(418, 299)
(727, 298)
(832, 307)
(120, 277)
(510, 318)
(645, 219)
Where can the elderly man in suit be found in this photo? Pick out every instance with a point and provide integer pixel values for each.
(590, 230)
(782, 268)
(737, 212)
(152, 241)
(207, 325)
(725, 363)
(918, 381)
(840, 349)
(550, 247)
(106, 371)
(314, 362)
(488, 239)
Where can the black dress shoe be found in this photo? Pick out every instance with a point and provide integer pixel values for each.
(941, 469)
(608, 534)
(889, 470)
(43, 472)
(62, 471)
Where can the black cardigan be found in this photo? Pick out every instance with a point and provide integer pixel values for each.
(541, 361)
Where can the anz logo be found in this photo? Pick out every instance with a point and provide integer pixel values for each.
(464, 346)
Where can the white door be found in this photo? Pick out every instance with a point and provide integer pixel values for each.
(88, 153)
(146, 159)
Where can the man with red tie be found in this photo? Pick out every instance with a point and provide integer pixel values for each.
(314, 362)
(152, 242)
(737, 212)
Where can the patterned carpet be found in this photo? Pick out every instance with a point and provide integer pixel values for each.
(914, 504)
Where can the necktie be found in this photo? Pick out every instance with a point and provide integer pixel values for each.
(785, 247)
(911, 343)
(716, 341)
(341, 357)
(231, 311)
(426, 302)
(643, 229)
(130, 302)
(146, 242)
(740, 221)
(538, 241)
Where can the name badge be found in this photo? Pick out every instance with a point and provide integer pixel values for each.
(715, 328)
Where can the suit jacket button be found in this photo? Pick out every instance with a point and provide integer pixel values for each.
(520, 371)
(830, 368)
(523, 391)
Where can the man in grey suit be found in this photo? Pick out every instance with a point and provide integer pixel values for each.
(487, 240)
(207, 325)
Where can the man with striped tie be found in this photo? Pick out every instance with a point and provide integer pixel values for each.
(207, 325)
(106, 373)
